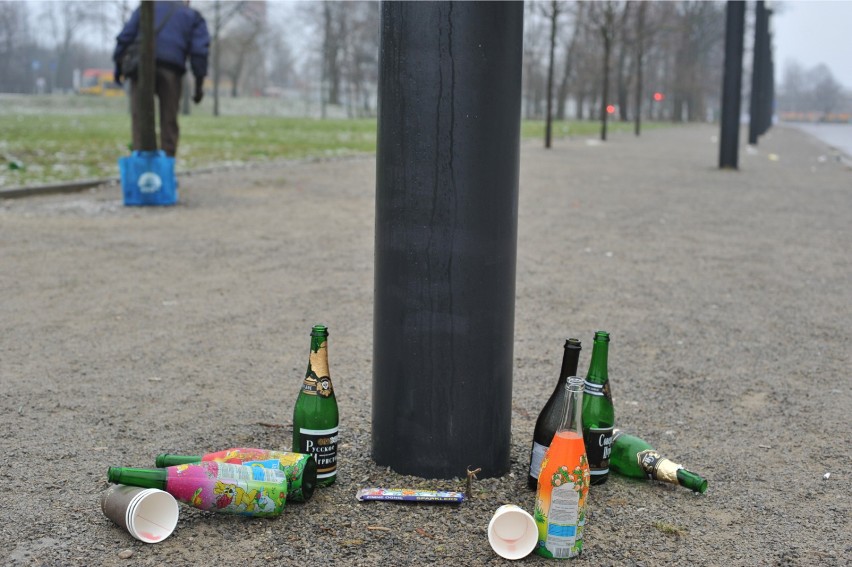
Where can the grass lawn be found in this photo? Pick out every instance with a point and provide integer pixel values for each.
(67, 138)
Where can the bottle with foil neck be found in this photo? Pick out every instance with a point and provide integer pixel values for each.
(563, 483)
(598, 410)
(212, 486)
(315, 416)
(634, 457)
(550, 416)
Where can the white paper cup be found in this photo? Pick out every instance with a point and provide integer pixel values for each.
(512, 532)
(148, 514)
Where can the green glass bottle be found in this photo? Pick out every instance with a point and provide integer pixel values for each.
(635, 458)
(315, 417)
(598, 411)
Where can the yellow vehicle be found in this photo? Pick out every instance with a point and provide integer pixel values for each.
(99, 82)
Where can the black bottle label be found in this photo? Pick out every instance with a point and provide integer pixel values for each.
(322, 444)
(598, 442)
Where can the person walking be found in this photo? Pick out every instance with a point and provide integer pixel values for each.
(180, 34)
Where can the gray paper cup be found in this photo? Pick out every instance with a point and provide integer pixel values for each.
(148, 514)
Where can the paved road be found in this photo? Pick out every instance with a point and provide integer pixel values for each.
(838, 136)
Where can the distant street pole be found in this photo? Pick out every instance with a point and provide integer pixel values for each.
(760, 76)
(446, 236)
(732, 85)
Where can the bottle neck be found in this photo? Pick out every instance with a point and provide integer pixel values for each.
(692, 481)
(570, 359)
(598, 366)
(146, 478)
(572, 411)
(167, 460)
(318, 360)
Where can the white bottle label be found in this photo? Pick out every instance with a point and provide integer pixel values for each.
(562, 519)
(249, 472)
(536, 458)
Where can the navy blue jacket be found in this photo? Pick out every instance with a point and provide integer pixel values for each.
(184, 36)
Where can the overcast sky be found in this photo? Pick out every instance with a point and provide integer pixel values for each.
(814, 32)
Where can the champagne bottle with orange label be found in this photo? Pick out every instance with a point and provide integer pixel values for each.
(315, 417)
(563, 483)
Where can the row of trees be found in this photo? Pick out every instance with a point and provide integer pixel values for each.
(814, 89)
(610, 58)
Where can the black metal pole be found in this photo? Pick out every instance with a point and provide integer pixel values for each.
(769, 79)
(760, 63)
(146, 78)
(731, 84)
(446, 236)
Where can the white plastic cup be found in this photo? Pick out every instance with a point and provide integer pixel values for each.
(512, 532)
(150, 515)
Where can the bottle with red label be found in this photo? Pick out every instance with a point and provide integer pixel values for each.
(315, 416)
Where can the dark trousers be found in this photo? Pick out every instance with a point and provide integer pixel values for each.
(167, 87)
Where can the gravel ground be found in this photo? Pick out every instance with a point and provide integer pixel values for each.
(128, 332)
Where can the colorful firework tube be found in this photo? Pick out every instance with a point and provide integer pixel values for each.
(300, 468)
(215, 487)
(409, 495)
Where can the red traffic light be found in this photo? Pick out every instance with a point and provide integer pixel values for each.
(610, 108)
(658, 96)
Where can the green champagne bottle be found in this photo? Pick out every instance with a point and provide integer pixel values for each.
(315, 417)
(598, 411)
(635, 458)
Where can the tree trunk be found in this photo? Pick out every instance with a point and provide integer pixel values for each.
(640, 56)
(562, 93)
(548, 127)
(217, 25)
(145, 85)
(605, 94)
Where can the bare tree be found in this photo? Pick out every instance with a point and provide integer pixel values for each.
(624, 46)
(242, 42)
(571, 54)
(827, 92)
(553, 17)
(639, 62)
(360, 55)
(698, 50)
(13, 43)
(533, 75)
(223, 13)
(65, 20)
(603, 17)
